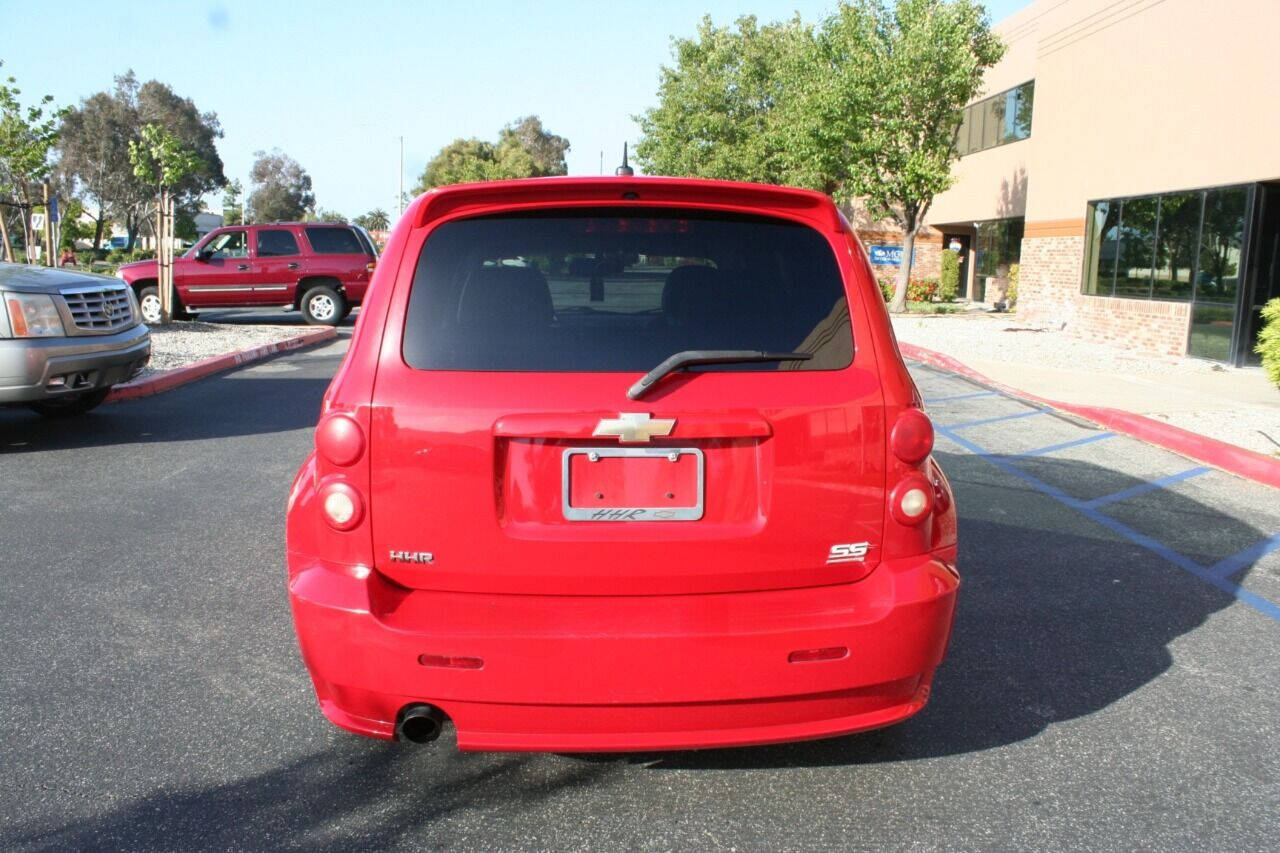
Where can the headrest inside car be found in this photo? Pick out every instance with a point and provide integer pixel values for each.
(505, 296)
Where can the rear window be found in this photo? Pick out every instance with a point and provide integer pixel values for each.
(604, 290)
(334, 241)
(276, 242)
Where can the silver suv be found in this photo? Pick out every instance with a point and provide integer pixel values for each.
(66, 338)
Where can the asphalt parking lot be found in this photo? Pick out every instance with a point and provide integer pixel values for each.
(1111, 682)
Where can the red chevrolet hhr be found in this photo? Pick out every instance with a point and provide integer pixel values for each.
(622, 464)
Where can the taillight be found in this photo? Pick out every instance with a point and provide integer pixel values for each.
(912, 497)
(341, 505)
(912, 437)
(340, 442)
(371, 266)
(340, 439)
(911, 500)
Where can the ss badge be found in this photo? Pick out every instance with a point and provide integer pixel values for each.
(852, 552)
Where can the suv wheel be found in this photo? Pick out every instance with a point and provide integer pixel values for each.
(72, 404)
(323, 306)
(149, 304)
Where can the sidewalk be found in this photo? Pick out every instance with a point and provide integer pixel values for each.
(1234, 405)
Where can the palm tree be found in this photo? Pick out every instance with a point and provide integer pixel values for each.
(374, 220)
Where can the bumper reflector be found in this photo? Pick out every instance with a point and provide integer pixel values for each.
(812, 655)
(451, 661)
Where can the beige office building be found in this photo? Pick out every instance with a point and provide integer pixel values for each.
(1126, 155)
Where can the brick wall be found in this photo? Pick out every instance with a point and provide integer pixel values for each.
(1049, 292)
(928, 263)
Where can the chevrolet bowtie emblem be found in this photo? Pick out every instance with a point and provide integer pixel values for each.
(634, 427)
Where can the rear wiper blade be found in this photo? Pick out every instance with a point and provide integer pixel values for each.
(691, 357)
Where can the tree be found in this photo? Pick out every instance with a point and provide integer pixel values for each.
(95, 152)
(865, 107)
(232, 204)
(95, 149)
(892, 84)
(727, 108)
(529, 149)
(324, 215)
(374, 220)
(282, 188)
(27, 136)
(525, 149)
(161, 160)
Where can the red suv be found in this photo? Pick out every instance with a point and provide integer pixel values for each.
(622, 464)
(321, 269)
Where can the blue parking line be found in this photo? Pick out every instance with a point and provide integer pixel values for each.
(1255, 552)
(1156, 547)
(1012, 417)
(969, 396)
(1054, 448)
(1149, 486)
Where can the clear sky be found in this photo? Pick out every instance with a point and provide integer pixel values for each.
(335, 84)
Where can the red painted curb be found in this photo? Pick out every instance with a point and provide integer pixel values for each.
(169, 379)
(1219, 454)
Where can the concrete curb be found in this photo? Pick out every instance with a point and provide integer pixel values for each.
(170, 379)
(1228, 457)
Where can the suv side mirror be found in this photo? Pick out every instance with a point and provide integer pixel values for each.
(204, 254)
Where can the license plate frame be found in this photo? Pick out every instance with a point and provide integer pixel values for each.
(632, 513)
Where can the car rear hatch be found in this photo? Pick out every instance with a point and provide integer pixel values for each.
(504, 444)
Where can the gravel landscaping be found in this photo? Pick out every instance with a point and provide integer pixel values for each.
(1000, 337)
(183, 343)
(1232, 405)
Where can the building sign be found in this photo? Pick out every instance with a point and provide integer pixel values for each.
(886, 256)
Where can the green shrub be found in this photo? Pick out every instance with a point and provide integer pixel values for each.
(142, 254)
(886, 288)
(949, 281)
(1011, 295)
(1269, 340)
(115, 256)
(922, 289)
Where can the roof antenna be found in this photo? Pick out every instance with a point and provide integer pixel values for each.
(624, 171)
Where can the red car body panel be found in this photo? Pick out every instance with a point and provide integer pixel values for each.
(534, 632)
(256, 280)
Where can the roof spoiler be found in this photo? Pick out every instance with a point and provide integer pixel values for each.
(624, 191)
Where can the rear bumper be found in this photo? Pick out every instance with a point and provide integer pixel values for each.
(28, 366)
(625, 673)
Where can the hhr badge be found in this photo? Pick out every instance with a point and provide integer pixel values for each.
(412, 557)
(853, 552)
(634, 427)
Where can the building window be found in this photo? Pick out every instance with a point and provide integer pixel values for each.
(999, 245)
(1001, 118)
(1175, 246)
(1181, 247)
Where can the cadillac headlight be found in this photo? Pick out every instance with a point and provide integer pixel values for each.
(33, 315)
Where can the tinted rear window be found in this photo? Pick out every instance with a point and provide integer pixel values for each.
(605, 290)
(334, 241)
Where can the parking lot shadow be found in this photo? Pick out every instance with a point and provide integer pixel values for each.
(369, 790)
(217, 407)
(1057, 619)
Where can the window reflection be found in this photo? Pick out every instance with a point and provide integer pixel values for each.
(999, 245)
(1102, 240)
(1220, 246)
(1137, 246)
(1001, 118)
(1176, 248)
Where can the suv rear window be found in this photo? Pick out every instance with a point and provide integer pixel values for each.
(607, 290)
(334, 241)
